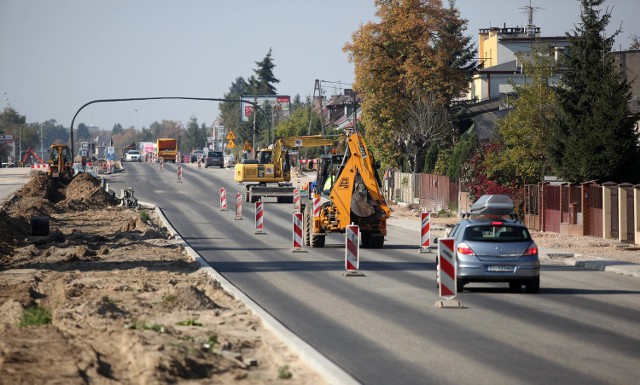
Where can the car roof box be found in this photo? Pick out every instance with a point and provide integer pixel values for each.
(493, 205)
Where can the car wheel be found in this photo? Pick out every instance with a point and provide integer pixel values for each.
(460, 285)
(533, 285)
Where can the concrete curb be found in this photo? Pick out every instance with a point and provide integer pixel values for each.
(327, 369)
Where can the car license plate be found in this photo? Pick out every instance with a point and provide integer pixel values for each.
(501, 268)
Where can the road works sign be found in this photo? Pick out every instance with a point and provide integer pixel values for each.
(231, 144)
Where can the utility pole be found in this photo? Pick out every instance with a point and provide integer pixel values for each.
(318, 87)
(41, 146)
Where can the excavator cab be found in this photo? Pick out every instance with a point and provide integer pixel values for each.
(329, 167)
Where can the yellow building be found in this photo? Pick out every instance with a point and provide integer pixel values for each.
(497, 49)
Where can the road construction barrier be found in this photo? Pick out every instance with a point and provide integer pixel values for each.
(238, 206)
(316, 207)
(447, 268)
(297, 232)
(296, 200)
(179, 174)
(425, 234)
(161, 164)
(259, 218)
(223, 199)
(40, 167)
(352, 251)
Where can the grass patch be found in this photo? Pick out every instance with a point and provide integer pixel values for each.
(211, 343)
(189, 322)
(144, 215)
(35, 316)
(144, 326)
(284, 373)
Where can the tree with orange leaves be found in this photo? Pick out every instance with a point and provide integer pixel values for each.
(415, 58)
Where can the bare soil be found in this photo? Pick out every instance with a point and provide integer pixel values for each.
(584, 248)
(127, 305)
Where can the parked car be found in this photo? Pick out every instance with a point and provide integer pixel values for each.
(229, 160)
(133, 156)
(196, 154)
(493, 246)
(214, 158)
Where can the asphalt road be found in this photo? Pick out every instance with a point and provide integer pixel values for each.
(582, 328)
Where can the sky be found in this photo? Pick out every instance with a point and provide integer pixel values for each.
(55, 56)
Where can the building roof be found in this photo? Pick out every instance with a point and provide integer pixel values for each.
(507, 67)
(485, 123)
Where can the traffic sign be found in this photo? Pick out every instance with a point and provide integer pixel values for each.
(247, 146)
(231, 135)
(230, 144)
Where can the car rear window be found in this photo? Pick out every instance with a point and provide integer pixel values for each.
(215, 155)
(496, 233)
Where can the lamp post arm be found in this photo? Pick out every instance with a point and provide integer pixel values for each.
(162, 98)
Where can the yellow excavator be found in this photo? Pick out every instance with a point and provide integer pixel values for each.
(269, 175)
(348, 190)
(60, 161)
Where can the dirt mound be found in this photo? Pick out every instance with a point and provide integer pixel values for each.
(44, 196)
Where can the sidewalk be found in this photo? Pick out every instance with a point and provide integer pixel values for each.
(552, 256)
(11, 180)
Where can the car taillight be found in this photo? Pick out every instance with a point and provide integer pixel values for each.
(531, 250)
(463, 248)
(496, 223)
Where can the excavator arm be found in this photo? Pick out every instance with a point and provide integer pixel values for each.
(281, 145)
(35, 155)
(356, 188)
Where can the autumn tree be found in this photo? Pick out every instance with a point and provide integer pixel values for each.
(416, 50)
(524, 133)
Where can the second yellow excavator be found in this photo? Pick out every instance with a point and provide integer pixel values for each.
(269, 175)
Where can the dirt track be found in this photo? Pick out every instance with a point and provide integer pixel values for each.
(126, 304)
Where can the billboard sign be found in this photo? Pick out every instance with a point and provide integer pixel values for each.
(282, 103)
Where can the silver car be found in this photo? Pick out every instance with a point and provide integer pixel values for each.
(494, 249)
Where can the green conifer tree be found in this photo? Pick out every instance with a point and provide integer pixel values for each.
(593, 136)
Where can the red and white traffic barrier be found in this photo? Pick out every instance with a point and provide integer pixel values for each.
(259, 218)
(296, 200)
(40, 166)
(447, 273)
(297, 232)
(223, 199)
(316, 207)
(161, 164)
(352, 251)
(179, 174)
(238, 206)
(425, 233)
